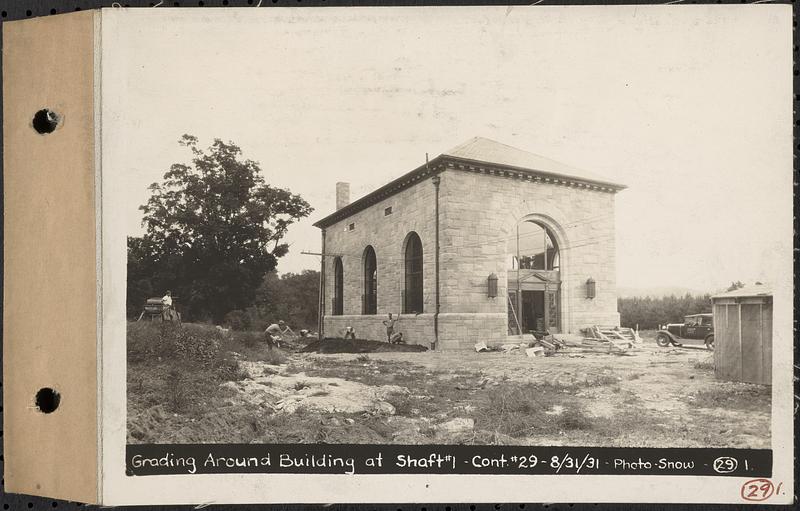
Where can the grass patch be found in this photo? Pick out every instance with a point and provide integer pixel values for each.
(310, 427)
(520, 411)
(704, 365)
(404, 404)
(733, 396)
(174, 373)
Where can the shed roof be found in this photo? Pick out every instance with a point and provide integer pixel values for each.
(472, 153)
(757, 289)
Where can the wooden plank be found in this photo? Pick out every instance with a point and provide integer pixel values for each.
(766, 342)
(727, 353)
(752, 363)
(719, 323)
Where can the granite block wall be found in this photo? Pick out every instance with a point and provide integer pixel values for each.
(478, 215)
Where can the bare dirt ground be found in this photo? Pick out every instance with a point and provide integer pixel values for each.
(654, 397)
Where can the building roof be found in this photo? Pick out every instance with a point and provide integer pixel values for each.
(471, 155)
(481, 149)
(757, 289)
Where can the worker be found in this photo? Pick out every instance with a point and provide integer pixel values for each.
(166, 310)
(350, 333)
(273, 333)
(389, 324)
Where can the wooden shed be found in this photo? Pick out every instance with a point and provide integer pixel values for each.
(743, 335)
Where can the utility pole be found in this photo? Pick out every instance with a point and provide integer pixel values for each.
(321, 303)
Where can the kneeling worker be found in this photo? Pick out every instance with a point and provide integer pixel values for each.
(273, 333)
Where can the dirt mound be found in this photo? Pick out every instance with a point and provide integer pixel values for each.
(333, 345)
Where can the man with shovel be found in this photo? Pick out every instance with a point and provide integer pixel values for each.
(273, 333)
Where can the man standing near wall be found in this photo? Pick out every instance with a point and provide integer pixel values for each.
(389, 324)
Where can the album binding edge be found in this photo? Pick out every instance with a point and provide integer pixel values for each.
(51, 312)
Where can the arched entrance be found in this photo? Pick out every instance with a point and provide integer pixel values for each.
(534, 279)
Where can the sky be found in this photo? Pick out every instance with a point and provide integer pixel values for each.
(689, 106)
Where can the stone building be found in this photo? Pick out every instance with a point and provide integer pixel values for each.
(483, 242)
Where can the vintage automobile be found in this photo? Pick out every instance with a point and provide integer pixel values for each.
(694, 326)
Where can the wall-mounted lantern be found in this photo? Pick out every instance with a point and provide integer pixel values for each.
(492, 284)
(591, 288)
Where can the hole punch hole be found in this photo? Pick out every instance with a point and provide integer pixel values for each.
(47, 400)
(45, 121)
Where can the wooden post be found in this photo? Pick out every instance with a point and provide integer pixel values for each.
(519, 285)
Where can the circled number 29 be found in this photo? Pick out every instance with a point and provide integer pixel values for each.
(759, 489)
(725, 465)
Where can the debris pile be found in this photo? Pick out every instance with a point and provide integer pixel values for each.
(533, 345)
(615, 333)
(595, 339)
(600, 339)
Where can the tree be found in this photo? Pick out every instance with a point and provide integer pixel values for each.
(294, 297)
(214, 229)
(649, 312)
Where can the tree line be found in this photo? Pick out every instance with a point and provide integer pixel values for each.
(649, 312)
(292, 297)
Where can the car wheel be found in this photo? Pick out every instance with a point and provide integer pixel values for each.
(710, 343)
(662, 340)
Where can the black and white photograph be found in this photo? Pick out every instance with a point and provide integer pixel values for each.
(518, 234)
(434, 227)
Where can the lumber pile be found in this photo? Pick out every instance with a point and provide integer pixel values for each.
(616, 333)
(539, 345)
(595, 339)
(600, 339)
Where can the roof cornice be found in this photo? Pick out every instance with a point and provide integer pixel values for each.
(443, 162)
(511, 171)
(393, 187)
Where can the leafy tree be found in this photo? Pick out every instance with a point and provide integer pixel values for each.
(295, 298)
(214, 229)
(292, 297)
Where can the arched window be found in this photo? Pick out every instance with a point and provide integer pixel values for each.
(370, 297)
(338, 287)
(412, 294)
(533, 247)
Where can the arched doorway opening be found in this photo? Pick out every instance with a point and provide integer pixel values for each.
(534, 279)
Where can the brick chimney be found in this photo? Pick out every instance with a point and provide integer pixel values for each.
(342, 195)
